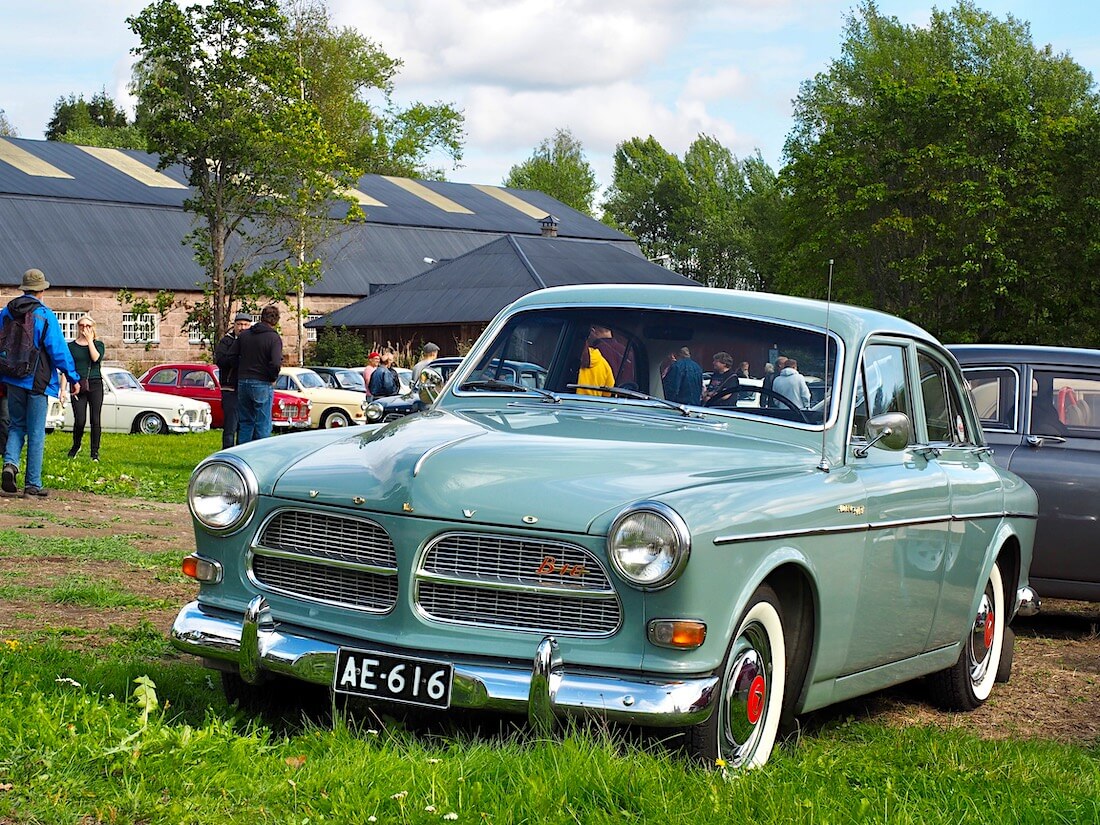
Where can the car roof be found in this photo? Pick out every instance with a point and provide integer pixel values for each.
(970, 354)
(850, 322)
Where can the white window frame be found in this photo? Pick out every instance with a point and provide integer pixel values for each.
(140, 328)
(195, 334)
(311, 332)
(68, 323)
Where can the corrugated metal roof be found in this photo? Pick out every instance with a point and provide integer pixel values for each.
(115, 246)
(474, 287)
(92, 177)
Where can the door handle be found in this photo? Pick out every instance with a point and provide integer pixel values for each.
(1040, 440)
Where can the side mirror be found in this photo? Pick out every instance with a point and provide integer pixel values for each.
(431, 382)
(889, 431)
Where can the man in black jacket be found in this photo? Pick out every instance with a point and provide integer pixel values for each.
(227, 355)
(261, 358)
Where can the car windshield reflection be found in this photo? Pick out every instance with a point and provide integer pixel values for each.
(647, 355)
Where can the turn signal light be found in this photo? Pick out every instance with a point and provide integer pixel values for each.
(201, 569)
(679, 633)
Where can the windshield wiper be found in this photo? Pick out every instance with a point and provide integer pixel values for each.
(641, 396)
(499, 384)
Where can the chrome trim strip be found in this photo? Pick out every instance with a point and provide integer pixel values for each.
(515, 587)
(327, 561)
(620, 696)
(863, 527)
(437, 448)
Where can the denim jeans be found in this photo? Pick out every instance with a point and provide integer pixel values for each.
(253, 409)
(28, 423)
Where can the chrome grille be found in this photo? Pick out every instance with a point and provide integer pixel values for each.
(327, 558)
(516, 583)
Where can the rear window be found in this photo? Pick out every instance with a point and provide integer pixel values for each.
(994, 391)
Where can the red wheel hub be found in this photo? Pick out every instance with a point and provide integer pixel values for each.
(754, 707)
(988, 637)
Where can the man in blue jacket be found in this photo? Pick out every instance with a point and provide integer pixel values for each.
(28, 397)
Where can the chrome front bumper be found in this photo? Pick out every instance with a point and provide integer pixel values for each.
(545, 692)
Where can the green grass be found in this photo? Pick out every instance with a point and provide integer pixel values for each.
(153, 467)
(77, 745)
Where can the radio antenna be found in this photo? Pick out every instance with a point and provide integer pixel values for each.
(826, 402)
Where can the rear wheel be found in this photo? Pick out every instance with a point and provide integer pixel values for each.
(742, 730)
(967, 683)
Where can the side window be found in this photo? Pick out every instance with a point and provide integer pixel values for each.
(1065, 403)
(882, 385)
(197, 378)
(282, 383)
(994, 392)
(164, 378)
(943, 404)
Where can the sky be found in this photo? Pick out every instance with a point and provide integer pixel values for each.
(608, 70)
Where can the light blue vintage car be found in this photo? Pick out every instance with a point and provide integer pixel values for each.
(587, 549)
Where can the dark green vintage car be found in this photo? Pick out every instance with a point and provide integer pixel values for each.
(593, 547)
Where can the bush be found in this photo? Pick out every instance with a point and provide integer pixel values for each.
(337, 348)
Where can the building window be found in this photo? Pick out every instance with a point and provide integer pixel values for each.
(311, 334)
(68, 323)
(195, 334)
(140, 328)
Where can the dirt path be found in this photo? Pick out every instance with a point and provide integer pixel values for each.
(1054, 692)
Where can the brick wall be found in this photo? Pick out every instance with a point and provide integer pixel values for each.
(173, 343)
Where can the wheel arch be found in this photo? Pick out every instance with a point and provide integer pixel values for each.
(794, 586)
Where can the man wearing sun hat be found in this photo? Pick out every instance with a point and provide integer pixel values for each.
(28, 396)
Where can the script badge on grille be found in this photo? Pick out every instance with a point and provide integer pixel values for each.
(391, 678)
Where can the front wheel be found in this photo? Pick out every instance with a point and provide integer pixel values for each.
(742, 730)
(150, 423)
(335, 418)
(967, 683)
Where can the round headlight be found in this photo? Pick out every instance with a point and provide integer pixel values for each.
(649, 545)
(374, 411)
(222, 494)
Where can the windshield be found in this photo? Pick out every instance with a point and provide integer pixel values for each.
(124, 381)
(310, 380)
(692, 359)
(350, 380)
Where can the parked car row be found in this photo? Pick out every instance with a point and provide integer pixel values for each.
(201, 382)
(552, 549)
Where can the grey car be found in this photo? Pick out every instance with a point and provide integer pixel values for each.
(1040, 409)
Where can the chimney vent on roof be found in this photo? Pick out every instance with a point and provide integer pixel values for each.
(549, 226)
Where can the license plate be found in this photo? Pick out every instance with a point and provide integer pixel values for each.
(392, 678)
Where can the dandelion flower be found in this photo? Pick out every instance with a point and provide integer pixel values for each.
(12, 644)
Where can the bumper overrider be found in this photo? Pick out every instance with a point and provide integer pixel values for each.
(546, 691)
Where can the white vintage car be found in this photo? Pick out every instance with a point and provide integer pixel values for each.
(127, 408)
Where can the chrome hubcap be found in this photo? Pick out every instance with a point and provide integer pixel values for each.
(745, 694)
(981, 638)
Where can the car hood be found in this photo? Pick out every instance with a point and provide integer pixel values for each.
(557, 469)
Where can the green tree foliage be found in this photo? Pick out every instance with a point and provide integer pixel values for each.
(6, 128)
(951, 172)
(337, 347)
(75, 113)
(559, 169)
(222, 96)
(350, 81)
(712, 215)
(106, 137)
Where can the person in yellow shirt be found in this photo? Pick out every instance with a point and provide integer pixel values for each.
(594, 371)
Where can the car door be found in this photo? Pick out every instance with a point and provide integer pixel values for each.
(950, 429)
(199, 384)
(109, 417)
(896, 593)
(1060, 457)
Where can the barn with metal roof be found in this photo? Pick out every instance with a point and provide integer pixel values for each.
(455, 300)
(100, 221)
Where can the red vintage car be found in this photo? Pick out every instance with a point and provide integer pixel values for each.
(289, 411)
